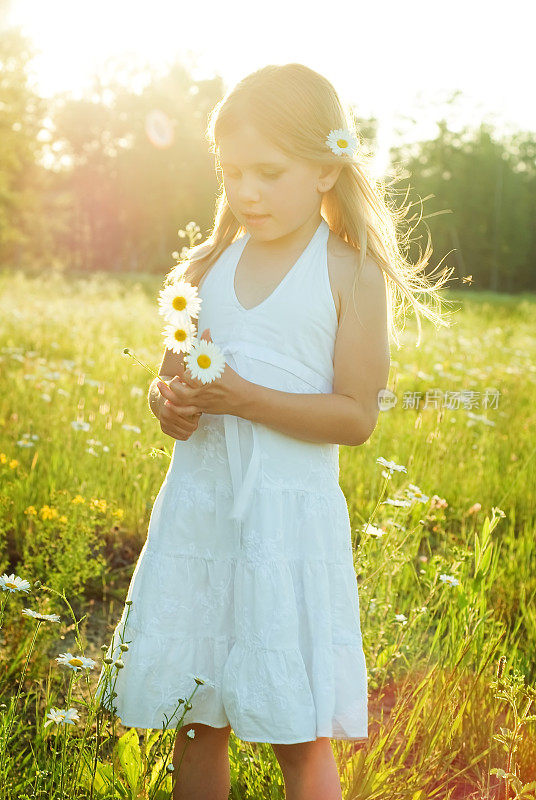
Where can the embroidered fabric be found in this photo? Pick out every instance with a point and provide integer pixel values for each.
(247, 576)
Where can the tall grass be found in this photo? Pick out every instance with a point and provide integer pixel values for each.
(443, 538)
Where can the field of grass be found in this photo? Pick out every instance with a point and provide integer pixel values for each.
(445, 550)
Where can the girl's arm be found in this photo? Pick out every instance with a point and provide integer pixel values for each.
(361, 369)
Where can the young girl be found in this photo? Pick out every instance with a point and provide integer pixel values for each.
(247, 580)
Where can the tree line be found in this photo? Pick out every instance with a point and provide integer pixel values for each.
(104, 182)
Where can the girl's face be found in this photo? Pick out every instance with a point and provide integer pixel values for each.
(260, 179)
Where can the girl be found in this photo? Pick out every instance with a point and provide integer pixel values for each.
(246, 580)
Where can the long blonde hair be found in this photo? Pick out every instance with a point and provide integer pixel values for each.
(295, 108)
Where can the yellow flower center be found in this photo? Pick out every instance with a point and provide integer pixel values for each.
(342, 142)
(180, 335)
(76, 662)
(179, 303)
(11, 585)
(203, 360)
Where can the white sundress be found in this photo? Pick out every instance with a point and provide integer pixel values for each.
(246, 579)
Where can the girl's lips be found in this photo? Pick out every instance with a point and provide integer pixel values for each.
(256, 217)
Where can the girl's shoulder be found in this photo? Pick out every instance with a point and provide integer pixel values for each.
(342, 266)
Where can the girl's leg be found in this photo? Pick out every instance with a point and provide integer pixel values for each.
(309, 770)
(204, 772)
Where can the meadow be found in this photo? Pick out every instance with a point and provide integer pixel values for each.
(441, 501)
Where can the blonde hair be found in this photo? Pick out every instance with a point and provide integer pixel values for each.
(295, 108)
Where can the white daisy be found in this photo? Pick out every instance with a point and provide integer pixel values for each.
(401, 618)
(68, 716)
(372, 530)
(179, 337)
(10, 583)
(398, 503)
(417, 495)
(27, 612)
(179, 301)
(80, 426)
(25, 443)
(391, 465)
(342, 142)
(449, 579)
(75, 662)
(205, 360)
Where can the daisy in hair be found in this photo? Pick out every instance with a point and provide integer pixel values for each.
(342, 142)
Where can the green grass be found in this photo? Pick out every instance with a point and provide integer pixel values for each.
(74, 515)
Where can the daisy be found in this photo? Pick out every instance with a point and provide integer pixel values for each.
(10, 583)
(401, 618)
(372, 530)
(180, 336)
(417, 495)
(80, 426)
(75, 662)
(398, 503)
(69, 716)
(449, 579)
(27, 612)
(391, 465)
(205, 360)
(178, 302)
(342, 142)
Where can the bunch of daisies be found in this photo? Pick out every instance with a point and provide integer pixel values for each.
(179, 303)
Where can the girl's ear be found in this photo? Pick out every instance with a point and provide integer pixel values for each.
(328, 176)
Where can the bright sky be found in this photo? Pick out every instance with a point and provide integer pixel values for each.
(388, 58)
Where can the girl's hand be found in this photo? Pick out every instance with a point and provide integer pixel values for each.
(189, 395)
(177, 422)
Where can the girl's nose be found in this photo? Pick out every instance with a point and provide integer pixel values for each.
(247, 191)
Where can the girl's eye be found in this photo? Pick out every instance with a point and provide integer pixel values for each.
(269, 175)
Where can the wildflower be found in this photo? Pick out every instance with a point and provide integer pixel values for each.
(25, 443)
(399, 503)
(30, 511)
(78, 499)
(449, 579)
(131, 428)
(438, 502)
(391, 465)
(170, 768)
(80, 426)
(10, 583)
(179, 301)
(48, 512)
(416, 494)
(474, 508)
(205, 360)
(180, 337)
(372, 530)
(401, 618)
(75, 662)
(69, 716)
(27, 612)
(191, 733)
(342, 142)
(13, 463)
